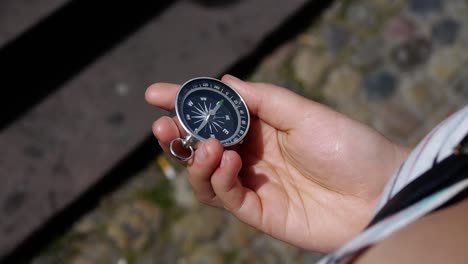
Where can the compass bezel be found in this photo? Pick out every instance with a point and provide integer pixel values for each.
(224, 90)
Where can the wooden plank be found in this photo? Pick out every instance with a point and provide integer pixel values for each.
(63, 145)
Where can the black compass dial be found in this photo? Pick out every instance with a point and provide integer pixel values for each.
(209, 108)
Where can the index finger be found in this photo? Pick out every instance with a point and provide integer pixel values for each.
(162, 95)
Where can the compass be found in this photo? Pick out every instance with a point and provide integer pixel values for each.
(208, 108)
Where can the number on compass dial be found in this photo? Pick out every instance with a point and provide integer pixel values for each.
(209, 108)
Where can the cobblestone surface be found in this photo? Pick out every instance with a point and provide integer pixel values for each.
(398, 66)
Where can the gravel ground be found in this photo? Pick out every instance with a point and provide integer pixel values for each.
(398, 66)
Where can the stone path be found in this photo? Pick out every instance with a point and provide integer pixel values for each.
(398, 66)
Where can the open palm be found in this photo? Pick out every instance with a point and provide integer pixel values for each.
(305, 174)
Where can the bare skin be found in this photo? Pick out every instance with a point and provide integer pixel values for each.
(305, 173)
(440, 237)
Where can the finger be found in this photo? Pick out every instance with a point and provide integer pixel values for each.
(241, 201)
(165, 129)
(206, 160)
(162, 95)
(271, 103)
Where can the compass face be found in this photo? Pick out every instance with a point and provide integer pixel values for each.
(207, 108)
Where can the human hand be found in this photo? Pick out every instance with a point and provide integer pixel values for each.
(305, 174)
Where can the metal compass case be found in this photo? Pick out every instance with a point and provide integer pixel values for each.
(209, 108)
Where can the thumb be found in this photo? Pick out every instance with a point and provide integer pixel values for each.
(274, 105)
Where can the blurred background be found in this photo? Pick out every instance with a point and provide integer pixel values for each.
(84, 181)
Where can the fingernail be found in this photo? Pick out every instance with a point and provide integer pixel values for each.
(223, 160)
(201, 153)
